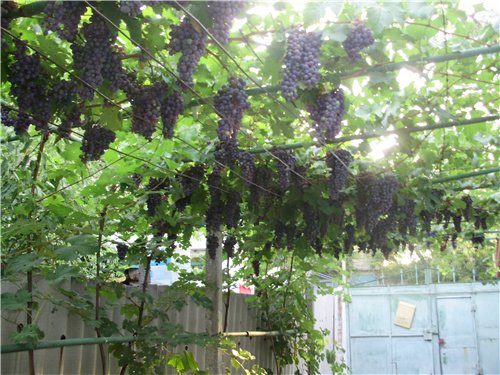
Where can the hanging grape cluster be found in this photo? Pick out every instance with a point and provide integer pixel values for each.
(359, 37)
(146, 108)
(71, 119)
(94, 55)
(298, 177)
(311, 218)
(285, 162)
(232, 209)
(155, 196)
(95, 142)
(171, 107)
(7, 8)
(229, 245)
(121, 251)
(132, 8)
(185, 39)
(223, 13)
(189, 181)
(374, 198)
(7, 119)
(327, 114)
(262, 178)
(63, 17)
(247, 166)
(231, 103)
(29, 87)
(338, 161)
(301, 62)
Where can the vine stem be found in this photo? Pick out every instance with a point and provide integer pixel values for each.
(102, 221)
(289, 279)
(226, 312)
(143, 302)
(29, 304)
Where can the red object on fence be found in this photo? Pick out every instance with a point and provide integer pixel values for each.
(245, 289)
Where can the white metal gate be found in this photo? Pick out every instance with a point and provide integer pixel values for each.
(455, 329)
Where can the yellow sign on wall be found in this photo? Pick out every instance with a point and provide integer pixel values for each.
(404, 315)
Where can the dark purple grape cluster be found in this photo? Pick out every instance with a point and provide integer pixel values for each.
(155, 197)
(215, 214)
(262, 177)
(146, 108)
(64, 92)
(374, 198)
(298, 177)
(223, 13)
(7, 8)
(349, 238)
(327, 114)
(467, 211)
(121, 251)
(171, 107)
(256, 267)
(92, 57)
(279, 234)
(285, 162)
(229, 245)
(359, 37)
(95, 142)
(231, 103)
(457, 222)
(232, 209)
(186, 39)
(113, 72)
(63, 17)
(212, 245)
(70, 120)
(311, 45)
(132, 8)
(408, 218)
(189, 181)
(379, 234)
(301, 62)
(338, 161)
(7, 119)
(247, 166)
(311, 218)
(29, 87)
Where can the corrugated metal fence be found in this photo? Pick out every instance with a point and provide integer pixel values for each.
(84, 360)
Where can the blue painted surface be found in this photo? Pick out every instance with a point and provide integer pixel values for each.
(455, 330)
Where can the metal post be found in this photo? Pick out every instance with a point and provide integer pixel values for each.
(213, 359)
(439, 276)
(454, 275)
(474, 274)
(401, 275)
(416, 274)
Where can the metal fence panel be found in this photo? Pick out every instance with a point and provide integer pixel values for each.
(56, 321)
(455, 330)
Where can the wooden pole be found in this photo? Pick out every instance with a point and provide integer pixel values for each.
(214, 319)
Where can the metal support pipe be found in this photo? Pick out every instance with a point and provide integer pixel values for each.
(50, 344)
